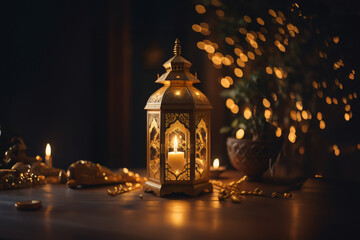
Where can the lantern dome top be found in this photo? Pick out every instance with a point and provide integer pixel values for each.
(177, 68)
(178, 91)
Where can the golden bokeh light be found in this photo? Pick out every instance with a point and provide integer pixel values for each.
(328, 100)
(274, 96)
(240, 62)
(298, 116)
(243, 57)
(315, 84)
(229, 41)
(269, 70)
(347, 116)
(237, 51)
(322, 124)
(240, 133)
(292, 137)
(229, 103)
(305, 128)
(258, 52)
(304, 115)
(200, 9)
(279, 20)
(272, 13)
(235, 109)
(266, 103)
(201, 45)
(247, 19)
(351, 76)
(242, 30)
(347, 108)
(220, 13)
(251, 55)
(225, 83)
(292, 129)
(210, 49)
(278, 73)
(260, 21)
(238, 72)
(267, 113)
(196, 28)
(247, 113)
(216, 60)
(299, 105)
(301, 150)
(278, 132)
(319, 116)
(262, 37)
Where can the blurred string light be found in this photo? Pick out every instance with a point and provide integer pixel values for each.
(255, 41)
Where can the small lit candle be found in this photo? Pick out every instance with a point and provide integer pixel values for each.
(216, 169)
(176, 159)
(48, 158)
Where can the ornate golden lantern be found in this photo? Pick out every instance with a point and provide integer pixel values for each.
(178, 132)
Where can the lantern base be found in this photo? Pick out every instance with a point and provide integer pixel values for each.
(162, 190)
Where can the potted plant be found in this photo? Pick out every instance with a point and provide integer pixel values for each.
(279, 73)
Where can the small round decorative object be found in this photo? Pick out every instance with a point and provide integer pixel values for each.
(28, 205)
(236, 199)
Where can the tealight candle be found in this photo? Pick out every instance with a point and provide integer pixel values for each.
(216, 169)
(48, 158)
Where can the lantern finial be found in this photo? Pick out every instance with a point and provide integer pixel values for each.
(177, 47)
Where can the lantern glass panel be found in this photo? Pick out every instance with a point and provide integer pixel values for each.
(201, 150)
(154, 145)
(177, 145)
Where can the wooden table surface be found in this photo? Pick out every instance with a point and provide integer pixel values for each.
(318, 210)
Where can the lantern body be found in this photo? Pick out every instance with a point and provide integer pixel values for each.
(178, 133)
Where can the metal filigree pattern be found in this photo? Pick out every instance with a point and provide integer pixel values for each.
(201, 143)
(199, 97)
(181, 176)
(157, 96)
(177, 95)
(154, 145)
(174, 169)
(202, 116)
(170, 118)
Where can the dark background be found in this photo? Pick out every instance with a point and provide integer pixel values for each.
(61, 65)
(77, 74)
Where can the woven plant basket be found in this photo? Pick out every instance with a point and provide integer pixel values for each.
(252, 158)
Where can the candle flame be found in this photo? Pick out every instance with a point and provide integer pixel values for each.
(48, 150)
(175, 145)
(216, 163)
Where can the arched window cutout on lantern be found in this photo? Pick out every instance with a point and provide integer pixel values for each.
(177, 140)
(154, 147)
(201, 150)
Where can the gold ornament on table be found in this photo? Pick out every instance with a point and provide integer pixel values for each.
(235, 191)
(123, 188)
(24, 171)
(178, 132)
(85, 174)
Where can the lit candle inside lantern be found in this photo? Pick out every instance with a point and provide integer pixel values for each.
(48, 158)
(176, 159)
